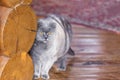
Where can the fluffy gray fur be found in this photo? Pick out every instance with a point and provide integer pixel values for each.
(51, 44)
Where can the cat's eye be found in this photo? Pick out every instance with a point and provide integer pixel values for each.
(49, 33)
(41, 33)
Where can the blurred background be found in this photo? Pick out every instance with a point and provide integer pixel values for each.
(102, 14)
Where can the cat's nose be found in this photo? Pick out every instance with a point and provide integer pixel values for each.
(45, 36)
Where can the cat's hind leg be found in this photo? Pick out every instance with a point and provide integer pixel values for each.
(62, 64)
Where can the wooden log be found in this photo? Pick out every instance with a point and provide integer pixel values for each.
(3, 62)
(13, 3)
(19, 67)
(4, 12)
(27, 2)
(9, 3)
(16, 27)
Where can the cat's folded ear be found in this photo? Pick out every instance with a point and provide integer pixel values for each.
(39, 22)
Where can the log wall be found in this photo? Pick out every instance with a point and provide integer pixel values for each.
(17, 22)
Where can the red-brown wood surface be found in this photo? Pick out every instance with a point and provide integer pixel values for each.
(97, 56)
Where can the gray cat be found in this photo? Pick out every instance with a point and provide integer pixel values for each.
(52, 43)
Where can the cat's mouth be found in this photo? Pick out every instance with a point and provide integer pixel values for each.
(45, 41)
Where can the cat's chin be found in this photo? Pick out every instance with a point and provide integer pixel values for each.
(44, 41)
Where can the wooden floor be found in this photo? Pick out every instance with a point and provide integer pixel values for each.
(97, 56)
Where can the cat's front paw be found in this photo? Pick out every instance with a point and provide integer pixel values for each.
(36, 77)
(45, 76)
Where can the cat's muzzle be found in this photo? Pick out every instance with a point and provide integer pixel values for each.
(45, 40)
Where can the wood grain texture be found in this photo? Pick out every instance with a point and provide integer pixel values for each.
(97, 56)
(14, 3)
(19, 67)
(16, 30)
(4, 12)
(17, 34)
(3, 62)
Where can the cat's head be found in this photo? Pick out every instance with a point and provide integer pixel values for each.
(46, 29)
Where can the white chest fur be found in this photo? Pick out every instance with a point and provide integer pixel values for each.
(56, 45)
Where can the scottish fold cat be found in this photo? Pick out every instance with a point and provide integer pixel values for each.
(52, 43)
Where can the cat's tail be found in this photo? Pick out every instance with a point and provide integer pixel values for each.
(71, 52)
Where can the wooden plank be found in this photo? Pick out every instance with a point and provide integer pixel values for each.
(97, 56)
